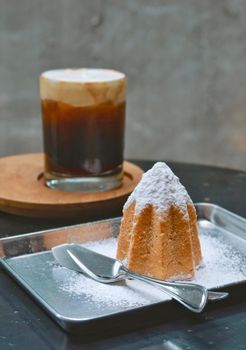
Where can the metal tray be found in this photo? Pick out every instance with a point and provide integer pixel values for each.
(27, 258)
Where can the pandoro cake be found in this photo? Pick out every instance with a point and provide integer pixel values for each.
(158, 234)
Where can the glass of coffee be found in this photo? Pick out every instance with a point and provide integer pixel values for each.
(83, 113)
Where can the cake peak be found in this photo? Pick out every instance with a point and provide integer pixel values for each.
(161, 188)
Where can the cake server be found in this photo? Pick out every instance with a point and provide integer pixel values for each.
(107, 270)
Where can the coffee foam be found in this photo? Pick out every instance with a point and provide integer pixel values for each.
(83, 87)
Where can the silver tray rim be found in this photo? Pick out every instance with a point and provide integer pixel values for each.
(206, 211)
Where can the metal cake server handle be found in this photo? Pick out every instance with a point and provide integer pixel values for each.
(192, 296)
(182, 288)
(213, 296)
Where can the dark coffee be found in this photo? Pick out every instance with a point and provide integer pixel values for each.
(83, 141)
(83, 128)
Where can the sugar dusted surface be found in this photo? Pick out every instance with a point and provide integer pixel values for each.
(161, 188)
(222, 264)
(127, 293)
(83, 75)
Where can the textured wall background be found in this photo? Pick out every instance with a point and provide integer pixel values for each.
(186, 63)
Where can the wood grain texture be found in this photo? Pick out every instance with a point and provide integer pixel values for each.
(23, 192)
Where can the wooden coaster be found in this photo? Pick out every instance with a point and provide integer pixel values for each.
(23, 192)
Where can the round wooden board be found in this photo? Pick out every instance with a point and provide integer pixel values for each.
(23, 192)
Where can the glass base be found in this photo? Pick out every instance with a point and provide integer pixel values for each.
(83, 184)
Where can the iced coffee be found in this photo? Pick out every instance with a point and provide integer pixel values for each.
(83, 113)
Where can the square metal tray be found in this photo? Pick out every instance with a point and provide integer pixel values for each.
(28, 259)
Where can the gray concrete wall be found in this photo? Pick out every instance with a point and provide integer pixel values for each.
(186, 63)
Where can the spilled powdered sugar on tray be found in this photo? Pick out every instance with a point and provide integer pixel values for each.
(122, 293)
(222, 265)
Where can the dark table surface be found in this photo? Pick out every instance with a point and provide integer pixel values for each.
(24, 325)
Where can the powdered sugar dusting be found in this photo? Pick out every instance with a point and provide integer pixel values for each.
(126, 293)
(160, 188)
(222, 264)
